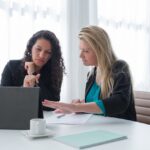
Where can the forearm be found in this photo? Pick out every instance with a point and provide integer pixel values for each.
(88, 108)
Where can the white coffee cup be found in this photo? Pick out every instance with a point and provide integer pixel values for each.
(37, 126)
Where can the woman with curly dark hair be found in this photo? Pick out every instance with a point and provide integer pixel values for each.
(41, 65)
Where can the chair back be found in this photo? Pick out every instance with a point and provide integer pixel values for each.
(142, 106)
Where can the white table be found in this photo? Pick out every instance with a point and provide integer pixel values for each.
(138, 135)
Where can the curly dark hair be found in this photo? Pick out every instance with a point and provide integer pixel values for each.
(55, 65)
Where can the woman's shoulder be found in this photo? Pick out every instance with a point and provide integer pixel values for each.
(120, 66)
(14, 63)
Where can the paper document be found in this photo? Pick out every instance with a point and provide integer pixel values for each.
(68, 119)
(90, 138)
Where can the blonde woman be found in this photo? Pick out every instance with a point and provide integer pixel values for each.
(109, 88)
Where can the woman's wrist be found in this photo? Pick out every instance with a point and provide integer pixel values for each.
(87, 108)
(77, 107)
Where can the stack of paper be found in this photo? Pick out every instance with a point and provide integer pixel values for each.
(68, 119)
(90, 138)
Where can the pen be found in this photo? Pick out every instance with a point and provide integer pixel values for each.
(60, 115)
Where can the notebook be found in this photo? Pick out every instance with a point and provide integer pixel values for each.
(90, 138)
(17, 106)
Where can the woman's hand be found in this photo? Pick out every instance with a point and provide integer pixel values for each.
(77, 107)
(60, 106)
(77, 101)
(30, 67)
(31, 80)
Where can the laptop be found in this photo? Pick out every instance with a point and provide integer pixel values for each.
(17, 106)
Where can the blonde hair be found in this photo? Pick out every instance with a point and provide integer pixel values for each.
(100, 43)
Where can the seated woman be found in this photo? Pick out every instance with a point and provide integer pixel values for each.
(109, 87)
(42, 65)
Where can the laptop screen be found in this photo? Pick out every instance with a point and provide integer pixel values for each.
(17, 106)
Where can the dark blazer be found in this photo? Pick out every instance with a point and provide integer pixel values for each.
(14, 73)
(120, 103)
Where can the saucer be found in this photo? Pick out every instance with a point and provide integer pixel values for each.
(28, 134)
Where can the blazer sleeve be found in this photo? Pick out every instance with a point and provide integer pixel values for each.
(6, 79)
(119, 99)
(47, 92)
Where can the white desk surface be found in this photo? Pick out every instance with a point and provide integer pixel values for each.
(138, 135)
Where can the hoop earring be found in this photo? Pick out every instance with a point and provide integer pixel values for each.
(28, 56)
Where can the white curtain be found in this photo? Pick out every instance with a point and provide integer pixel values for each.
(128, 24)
(79, 13)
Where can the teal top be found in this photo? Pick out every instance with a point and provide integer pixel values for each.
(93, 96)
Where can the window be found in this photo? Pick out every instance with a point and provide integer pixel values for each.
(128, 25)
(20, 19)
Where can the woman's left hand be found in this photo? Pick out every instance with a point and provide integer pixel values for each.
(60, 106)
(31, 80)
(30, 67)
